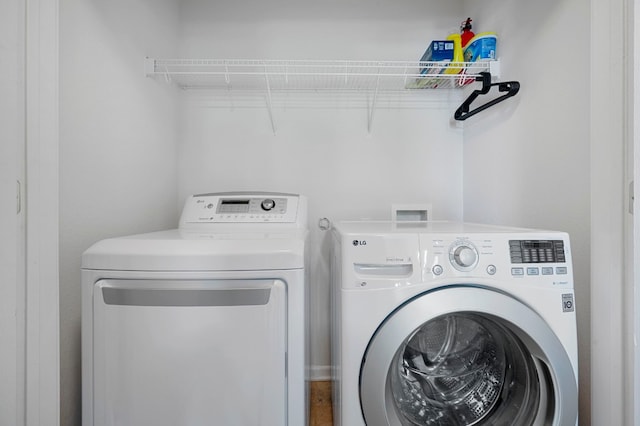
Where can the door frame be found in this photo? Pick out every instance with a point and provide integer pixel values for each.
(12, 242)
(607, 228)
(42, 395)
(609, 118)
(633, 231)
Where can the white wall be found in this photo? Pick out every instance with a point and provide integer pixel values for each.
(321, 147)
(308, 29)
(527, 160)
(117, 145)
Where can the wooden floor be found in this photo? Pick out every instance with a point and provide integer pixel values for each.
(321, 414)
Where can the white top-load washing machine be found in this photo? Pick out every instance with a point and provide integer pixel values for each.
(439, 323)
(201, 325)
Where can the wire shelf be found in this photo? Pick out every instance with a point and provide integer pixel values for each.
(370, 78)
(283, 75)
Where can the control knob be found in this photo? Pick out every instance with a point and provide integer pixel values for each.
(464, 257)
(268, 204)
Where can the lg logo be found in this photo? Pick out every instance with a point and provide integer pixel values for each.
(357, 243)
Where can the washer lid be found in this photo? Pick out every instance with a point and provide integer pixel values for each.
(180, 250)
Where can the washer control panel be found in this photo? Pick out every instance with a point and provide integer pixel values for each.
(376, 255)
(240, 208)
(498, 255)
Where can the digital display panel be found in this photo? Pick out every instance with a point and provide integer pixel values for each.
(537, 244)
(234, 205)
(537, 251)
(234, 202)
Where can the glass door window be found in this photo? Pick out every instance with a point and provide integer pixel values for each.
(461, 369)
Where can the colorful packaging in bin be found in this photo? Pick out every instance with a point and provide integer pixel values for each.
(450, 54)
(482, 47)
(438, 50)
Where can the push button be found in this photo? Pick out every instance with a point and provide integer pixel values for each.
(547, 270)
(533, 271)
(437, 270)
(517, 271)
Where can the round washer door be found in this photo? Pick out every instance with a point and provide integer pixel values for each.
(467, 356)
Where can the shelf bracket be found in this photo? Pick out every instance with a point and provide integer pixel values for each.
(269, 101)
(372, 107)
(167, 75)
(227, 79)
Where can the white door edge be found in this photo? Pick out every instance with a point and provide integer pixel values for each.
(41, 207)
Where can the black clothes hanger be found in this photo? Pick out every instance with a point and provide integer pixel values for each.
(511, 87)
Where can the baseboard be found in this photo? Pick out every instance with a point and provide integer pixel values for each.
(319, 373)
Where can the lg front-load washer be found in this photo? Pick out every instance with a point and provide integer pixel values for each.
(200, 325)
(439, 323)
